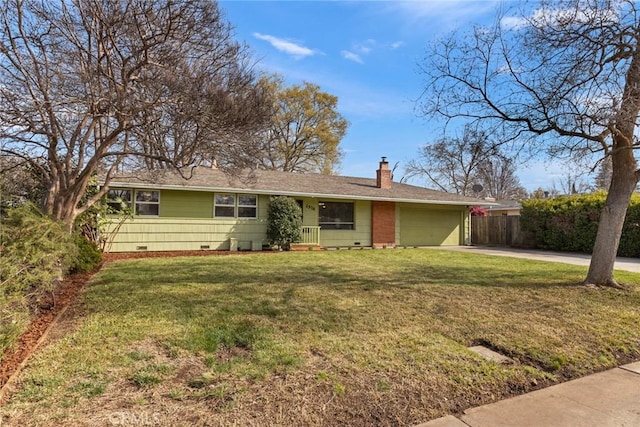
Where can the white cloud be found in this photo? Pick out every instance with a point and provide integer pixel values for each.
(360, 49)
(286, 46)
(351, 56)
(513, 22)
(363, 49)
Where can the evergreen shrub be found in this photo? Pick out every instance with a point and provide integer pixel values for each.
(570, 223)
(284, 222)
(88, 256)
(36, 251)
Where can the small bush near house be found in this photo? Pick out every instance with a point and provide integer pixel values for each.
(630, 240)
(570, 223)
(284, 222)
(88, 256)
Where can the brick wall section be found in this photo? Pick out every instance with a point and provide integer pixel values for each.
(383, 224)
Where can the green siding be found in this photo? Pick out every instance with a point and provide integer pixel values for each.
(186, 204)
(361, 234)
(309, 211)
(431, 225)
(182, 233)
(186, 223)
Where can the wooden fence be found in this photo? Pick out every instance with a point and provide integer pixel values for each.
(496, 230)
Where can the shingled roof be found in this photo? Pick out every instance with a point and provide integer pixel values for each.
(290, 184)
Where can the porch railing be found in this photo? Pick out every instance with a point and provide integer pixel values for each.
(310, 235)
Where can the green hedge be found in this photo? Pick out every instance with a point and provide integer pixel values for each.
(570, 223)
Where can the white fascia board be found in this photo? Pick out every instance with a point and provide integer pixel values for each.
(148, 186)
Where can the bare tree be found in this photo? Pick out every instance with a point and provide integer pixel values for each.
(603, 174)
(87, 86)
(451, 164)
(456, 165)
(567, 75)
(18, 183)
(572, 184)
(497, 175)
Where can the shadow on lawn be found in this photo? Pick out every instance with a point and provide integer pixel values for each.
(247, 303)
(315, 296)
(535, 276)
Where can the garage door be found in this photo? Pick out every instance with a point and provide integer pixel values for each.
(428, 227)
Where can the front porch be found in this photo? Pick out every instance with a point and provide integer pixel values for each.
(310, 238)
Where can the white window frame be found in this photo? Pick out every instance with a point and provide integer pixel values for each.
(236, 206)
(149, 203)
(225, 205)
(253, 206)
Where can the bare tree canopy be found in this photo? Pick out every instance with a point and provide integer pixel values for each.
(457, 164)
(497, 175)
(87, 86)
(19, 183)
(305, 129)
(566, 74)
(602, 179)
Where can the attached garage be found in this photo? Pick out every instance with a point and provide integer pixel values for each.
(212, 210)
(429, 226)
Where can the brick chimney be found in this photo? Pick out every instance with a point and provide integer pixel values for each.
(383, 175)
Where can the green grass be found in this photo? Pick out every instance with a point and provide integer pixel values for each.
(353, 336)
(14, 320)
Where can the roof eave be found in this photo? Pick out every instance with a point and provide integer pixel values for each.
(300, 194)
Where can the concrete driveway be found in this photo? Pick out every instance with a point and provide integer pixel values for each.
(625, 264)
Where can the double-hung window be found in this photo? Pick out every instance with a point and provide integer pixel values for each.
(235, 206)
(336, 215)
(224, 205)
(247, 206)
(147, 203)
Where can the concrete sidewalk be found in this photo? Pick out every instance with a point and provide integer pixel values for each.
(610, 398)
(626, 264)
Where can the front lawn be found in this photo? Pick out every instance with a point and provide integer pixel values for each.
(375, 337)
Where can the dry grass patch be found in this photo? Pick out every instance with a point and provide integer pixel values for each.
(322, 338)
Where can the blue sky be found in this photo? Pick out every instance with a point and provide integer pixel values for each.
(367, 53)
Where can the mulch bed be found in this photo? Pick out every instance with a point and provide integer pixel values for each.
(66, 294)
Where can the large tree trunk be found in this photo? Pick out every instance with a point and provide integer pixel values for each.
(63, 208)
(63, 200)
(603, 257)
(623, 180)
